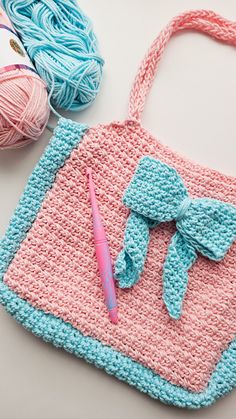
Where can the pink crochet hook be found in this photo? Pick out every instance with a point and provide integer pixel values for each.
(103, 254)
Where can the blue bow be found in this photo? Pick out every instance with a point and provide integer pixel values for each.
(157, 194)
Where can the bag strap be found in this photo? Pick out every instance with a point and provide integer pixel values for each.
(201, 20)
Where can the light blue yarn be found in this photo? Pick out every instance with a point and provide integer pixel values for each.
(181, 255)
(132, 256)
(61, 43)
(157, 194)
(52, 329)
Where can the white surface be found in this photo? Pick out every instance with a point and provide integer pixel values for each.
(192, 108)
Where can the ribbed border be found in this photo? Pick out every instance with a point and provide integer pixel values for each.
(62, 334)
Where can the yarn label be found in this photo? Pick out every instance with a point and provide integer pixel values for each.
(13, 55)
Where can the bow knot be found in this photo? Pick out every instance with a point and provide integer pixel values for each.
(157, 194)
(184, 206)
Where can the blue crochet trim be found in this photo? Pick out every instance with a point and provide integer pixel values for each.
(62, 334)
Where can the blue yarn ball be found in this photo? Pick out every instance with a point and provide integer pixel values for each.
(61, 43)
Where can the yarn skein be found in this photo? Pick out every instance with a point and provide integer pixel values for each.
(24, 109)
(60, 42)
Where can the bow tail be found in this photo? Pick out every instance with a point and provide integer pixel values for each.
(180, 257)
(130, 261)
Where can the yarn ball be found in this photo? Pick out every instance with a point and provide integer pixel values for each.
(24, 109)
(61, 43)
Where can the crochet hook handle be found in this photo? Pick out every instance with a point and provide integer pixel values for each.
(102, 254)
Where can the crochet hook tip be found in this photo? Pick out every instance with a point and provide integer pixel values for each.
(113, 315)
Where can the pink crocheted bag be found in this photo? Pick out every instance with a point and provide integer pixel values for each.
(49, 272)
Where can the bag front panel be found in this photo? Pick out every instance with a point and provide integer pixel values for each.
(55, 268)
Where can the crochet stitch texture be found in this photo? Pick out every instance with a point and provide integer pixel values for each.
(49, 279)
(157, 194)
(55, 268)
(54, 329)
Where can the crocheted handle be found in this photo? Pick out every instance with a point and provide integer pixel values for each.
(201, 20)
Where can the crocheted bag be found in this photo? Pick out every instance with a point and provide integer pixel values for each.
(49, 279)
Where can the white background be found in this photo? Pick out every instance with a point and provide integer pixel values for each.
(192, 108)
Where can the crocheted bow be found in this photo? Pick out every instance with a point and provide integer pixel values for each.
(157, 194)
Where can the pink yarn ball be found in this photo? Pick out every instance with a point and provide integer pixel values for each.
(24, 109)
